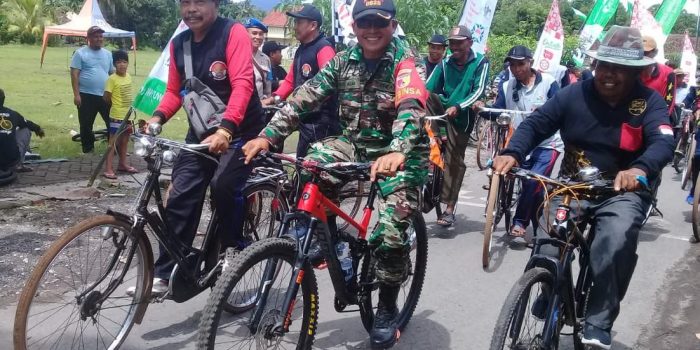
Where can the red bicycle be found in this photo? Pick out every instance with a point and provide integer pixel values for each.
(279, 276)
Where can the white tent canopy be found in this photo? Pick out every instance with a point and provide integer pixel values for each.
(90, 15)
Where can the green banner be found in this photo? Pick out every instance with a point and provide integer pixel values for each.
(598, 18)
(150, 95)
(668, 14)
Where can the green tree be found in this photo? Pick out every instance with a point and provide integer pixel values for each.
(25, 18)
(139, 16)
(240, 10)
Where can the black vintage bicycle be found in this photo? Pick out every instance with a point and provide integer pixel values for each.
(279, 275)
(546, 297)
(76, 296)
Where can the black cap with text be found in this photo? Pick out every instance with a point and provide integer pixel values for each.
(381, 8)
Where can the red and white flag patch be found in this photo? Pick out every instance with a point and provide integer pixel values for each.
(666, 130)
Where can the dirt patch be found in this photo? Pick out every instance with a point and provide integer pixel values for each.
(676, 322)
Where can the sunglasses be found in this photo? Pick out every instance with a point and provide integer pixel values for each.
(372, 22)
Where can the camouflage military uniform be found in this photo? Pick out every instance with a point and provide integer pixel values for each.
(379, 114)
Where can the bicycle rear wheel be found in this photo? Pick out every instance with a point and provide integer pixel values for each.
(220, 331)
(351, 196)
(687, 176)
(493, 216)
(411, 288)
(61, 305)
(519, 325)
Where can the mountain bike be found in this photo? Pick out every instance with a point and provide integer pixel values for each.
(503, 192)
(77, 293)
(278, 273)
(546, 298)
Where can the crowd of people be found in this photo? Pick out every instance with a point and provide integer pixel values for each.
(366, 103)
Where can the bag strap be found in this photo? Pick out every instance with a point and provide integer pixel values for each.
(187, 47)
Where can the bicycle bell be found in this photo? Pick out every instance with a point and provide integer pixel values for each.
(169, 157)
(589, 173)
(504, 119)
(154, 129)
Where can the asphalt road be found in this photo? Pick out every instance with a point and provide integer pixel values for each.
(461, 301)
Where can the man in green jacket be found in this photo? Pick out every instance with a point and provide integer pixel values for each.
(459, 84)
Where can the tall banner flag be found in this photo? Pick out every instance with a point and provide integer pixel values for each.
(668, 13)
(643, 20)
(689, 61)
(477, 16)
(153, 88)
(551, 45)
(598, 18)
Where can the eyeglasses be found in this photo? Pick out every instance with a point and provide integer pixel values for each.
(372, 22)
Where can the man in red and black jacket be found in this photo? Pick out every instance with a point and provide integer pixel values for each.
(312, 55)
(220, 59)
(659, 77)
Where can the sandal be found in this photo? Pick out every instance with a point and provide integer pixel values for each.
(518, 231)
(128, 169)
(446, 220)
(111, 176)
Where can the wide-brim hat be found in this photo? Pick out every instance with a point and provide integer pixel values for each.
(623, 46)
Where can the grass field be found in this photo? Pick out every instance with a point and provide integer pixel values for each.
(44, 96)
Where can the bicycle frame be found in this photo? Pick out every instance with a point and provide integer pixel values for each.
(563, 290)
(312, 206)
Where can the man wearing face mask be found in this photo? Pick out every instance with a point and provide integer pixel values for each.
(382, 96)
(459, 83)
(616, 124)
(314, 53)
(261, 63)
(221, 59)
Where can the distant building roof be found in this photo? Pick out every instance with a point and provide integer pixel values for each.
(275, 19)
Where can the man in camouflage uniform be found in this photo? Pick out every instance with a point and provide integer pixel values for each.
(381, 98)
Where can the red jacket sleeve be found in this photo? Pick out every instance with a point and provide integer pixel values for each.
(324, 55)
(172, 101)
(239, 62)
(287, 85)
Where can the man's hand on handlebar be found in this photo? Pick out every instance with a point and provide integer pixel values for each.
(218, 144)
(627, 179)
(268, 101)
(452, 112)
(153, 120)
(503, 164)
(253, 147)
(387, 165)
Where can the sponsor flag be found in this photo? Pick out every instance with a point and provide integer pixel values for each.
(689, 61)
(153, 88)
(668, 13)
(551, 45)
(643, 20)
(579, 14)
(477, 16)
(597, 19)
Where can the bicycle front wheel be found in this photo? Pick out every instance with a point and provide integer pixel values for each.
(75, 298)
(493, 213)
(521, 321)
(696, 213)
(485, 146)
(687, 176)
(351, 196)
(413, 285)
(275, 255)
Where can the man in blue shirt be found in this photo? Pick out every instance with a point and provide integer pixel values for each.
(89, 70)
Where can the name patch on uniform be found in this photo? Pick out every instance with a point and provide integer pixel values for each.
(306, 70)
(217, 70)
(408, 84)
(637, 107)
(666, 130)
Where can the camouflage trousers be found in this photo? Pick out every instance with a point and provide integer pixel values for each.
(396, 203)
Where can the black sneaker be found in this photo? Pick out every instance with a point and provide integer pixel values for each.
(596, 337)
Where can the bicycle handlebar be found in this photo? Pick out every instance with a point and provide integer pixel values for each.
(597, 186)
(499, 110)
(357, 170)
